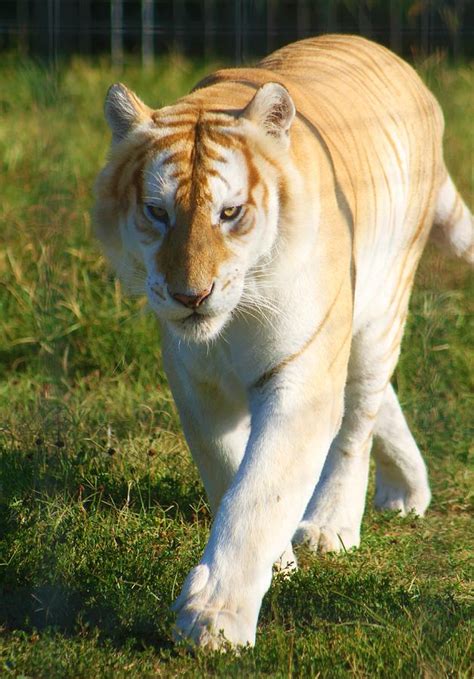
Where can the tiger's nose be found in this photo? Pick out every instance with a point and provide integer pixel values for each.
(192, 301)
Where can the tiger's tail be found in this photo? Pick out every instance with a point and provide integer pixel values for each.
(453, 226)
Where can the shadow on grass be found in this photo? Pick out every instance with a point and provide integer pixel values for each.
(54, 608)
(83, 547)
(93, 478)
(308, 602)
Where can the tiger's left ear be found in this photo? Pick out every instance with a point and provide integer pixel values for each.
(273, 109)
(124, 111)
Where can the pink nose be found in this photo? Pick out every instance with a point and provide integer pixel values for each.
(192, 301)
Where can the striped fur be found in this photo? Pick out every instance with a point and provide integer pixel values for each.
(282, 326)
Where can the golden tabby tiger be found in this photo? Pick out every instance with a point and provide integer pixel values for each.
(279, 214)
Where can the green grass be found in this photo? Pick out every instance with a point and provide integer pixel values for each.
(101, 510)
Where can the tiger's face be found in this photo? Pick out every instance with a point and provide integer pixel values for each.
(196, 202)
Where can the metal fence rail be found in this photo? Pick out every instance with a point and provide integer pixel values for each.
(234, 29)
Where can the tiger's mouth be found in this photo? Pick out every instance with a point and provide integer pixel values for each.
(200, 326)
(196, 318)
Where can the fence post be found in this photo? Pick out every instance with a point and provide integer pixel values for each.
(23, 24)
(209, 24)
(238, 31)
(85, 27)
(395, 26)
(331, 20)
(178, 22)
(458, 12)
(270, 25)
(302, 19)
(147, 33)
(116, 28)
(50, 10)
(425, 27)
(365, 27)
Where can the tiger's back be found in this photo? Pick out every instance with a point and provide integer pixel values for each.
(381, 130)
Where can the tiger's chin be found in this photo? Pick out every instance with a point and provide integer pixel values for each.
(199, 328)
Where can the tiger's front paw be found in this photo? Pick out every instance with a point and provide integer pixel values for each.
(212, 628)
(212, 621)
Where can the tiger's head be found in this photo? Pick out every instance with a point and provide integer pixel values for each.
(190, 201)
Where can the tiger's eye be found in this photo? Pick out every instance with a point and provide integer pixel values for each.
(229, 213)
(157, 213)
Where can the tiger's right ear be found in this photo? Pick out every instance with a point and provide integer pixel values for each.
(124, 111)
(273, 110)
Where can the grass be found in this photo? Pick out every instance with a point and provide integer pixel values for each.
(101, 510)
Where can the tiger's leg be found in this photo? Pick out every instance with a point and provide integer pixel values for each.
(334, 514)
(260, 511)
(401, 477)
(217, 428)
(217, 431)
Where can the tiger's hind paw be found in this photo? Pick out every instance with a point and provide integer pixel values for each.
(397, 498)
(327, 538)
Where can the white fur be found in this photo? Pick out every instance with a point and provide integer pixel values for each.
(402, 480)
(454, 223)
(286, 453)
(259, 468)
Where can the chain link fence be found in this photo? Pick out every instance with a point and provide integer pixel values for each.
(237, 30)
